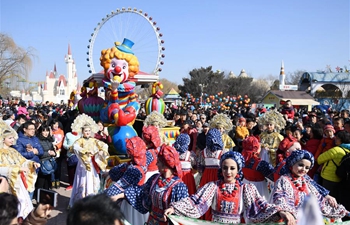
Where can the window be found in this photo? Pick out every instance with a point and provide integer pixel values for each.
(61, 92)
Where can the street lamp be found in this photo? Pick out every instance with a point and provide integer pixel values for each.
(201, 99)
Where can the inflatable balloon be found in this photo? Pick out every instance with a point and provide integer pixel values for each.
(93, 103)
(154, 102)
(118, 138)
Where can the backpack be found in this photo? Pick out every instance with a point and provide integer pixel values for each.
(343, 170)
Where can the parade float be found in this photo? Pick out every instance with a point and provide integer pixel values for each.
(141, 46)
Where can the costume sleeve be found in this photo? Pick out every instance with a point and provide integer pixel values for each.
(323, 191)
(179, 192)
(327, 210)
(131, 176)
(283, 196)
(139, 196)
(257, 209)
(117, 172)
(266, 169)
(198, 204)
(102, 154)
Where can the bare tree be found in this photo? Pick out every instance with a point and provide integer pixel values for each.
(15, 63)
(144, 93)
(294, 77)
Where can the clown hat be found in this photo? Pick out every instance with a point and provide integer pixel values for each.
(126, 46)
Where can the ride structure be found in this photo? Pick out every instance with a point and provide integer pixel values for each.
(121, 74)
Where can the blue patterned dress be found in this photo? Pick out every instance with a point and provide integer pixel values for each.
(154, 199)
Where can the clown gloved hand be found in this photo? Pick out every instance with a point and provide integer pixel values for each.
(125, 117)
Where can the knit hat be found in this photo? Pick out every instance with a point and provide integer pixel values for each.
(328, 127)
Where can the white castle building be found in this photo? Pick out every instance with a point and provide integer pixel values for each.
(56, 88)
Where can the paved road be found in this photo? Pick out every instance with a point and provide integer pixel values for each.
(59, 214)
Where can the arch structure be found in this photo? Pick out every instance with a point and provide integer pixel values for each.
(314, 81)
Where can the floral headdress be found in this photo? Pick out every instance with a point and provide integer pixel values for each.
(6, 130)
(155, 118)
(275, 118)
(83, 121)
(221, 120)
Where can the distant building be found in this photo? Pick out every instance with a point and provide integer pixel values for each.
(56, 88)
(276, 98)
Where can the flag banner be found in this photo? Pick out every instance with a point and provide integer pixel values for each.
(180, 220)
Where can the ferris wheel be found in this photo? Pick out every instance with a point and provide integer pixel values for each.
(134, 25)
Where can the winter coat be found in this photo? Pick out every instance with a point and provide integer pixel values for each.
(330, 160)
(21, 147)
(47, 145)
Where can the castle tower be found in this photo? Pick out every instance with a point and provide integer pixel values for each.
(70, 71)
(282, 75)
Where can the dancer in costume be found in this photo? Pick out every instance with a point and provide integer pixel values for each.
(188, 161)
(209, 161)
(256, 170)
(291, 188)
(158, 120)
(151, 137)
(271, 138)
(160, 190)
(223, 123)
(92, 155)
(228, 198)
(128, 174)
(20, 172)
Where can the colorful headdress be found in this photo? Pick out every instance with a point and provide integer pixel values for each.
(155, 118)
(170, 157)
(182, 142)
(83, 121)
(238, 158)
(151, 135)
(221, 120)
(275, 118)
(5, 131)
(214, 140)
(294, 157)
(251, 147)
(136, 148)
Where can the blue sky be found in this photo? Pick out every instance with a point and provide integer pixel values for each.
(229, 35)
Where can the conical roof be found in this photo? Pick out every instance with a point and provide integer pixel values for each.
(243, 73)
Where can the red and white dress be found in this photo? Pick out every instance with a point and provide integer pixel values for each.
(187, 159)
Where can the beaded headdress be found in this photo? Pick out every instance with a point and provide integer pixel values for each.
(275, 118)
(221, 120)
(155, 118)
(83, 121)
(6, 130)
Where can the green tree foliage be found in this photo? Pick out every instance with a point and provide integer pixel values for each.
(207, 81)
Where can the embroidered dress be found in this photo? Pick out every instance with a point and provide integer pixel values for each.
(155, 196)
(228, 203)
(187, 161)
(255, 172)
(290, 192)
(92, 158)
(20, 183)
(269, 144)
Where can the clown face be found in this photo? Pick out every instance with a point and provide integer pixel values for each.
(118, 71)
